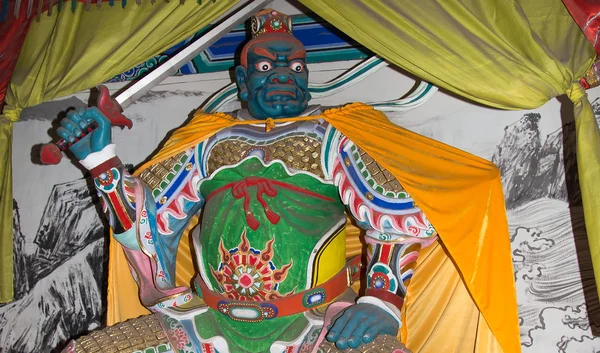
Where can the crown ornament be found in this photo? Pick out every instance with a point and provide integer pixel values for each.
(270, 21)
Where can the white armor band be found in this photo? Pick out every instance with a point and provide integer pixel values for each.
(94, 159)
(389, 308)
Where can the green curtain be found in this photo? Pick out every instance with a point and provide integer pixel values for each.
(504, 54)
(71, 51)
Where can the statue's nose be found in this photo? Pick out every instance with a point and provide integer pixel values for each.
(282, 77)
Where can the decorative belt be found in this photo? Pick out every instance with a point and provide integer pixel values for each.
(257, 311)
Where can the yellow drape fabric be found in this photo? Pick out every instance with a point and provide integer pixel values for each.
(6, 207)
(504, 54)
(588, 166)
(67, 52)
(461, 195)
(440, 315)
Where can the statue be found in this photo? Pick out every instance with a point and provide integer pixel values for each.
(273, 184)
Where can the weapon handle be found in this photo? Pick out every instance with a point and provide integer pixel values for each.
(51, 153)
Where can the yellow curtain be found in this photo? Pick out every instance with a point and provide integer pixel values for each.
(71, 51)
(440, 315)
(68, 52)
(504, 54)
(6, 205)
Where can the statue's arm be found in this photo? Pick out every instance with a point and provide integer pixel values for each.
(116, 189)
(396, 228)
(97, 154)
(145, 220)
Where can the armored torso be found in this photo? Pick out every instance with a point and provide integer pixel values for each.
(273, 225)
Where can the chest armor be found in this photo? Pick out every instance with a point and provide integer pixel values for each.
(297, 145)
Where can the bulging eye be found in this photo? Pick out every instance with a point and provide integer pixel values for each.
(263, 66)
(297, 66)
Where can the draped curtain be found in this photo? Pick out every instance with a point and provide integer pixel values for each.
(504, 54)
(13, 33)
(70, 51)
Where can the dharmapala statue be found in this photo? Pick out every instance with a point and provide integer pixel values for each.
(272, 184)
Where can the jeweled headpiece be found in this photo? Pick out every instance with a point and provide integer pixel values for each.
(265, 25)
(270, 21)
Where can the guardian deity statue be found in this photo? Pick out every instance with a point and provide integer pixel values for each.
(273, 185)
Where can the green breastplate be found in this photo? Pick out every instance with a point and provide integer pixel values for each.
(263, 229)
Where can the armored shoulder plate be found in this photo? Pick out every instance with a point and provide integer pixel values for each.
(158, 176)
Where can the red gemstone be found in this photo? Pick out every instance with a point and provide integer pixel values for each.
(245, 280)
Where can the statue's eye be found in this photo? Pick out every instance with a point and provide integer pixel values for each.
(264, 66)
(297, 66)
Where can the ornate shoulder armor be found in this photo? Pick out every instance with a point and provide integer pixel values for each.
(373, 195)
(174, 187)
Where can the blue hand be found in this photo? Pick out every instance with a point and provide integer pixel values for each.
(78, 121)
(359, 324)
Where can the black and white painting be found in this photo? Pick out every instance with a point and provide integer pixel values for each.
(553, 269)
(59, 261)
(60, 237)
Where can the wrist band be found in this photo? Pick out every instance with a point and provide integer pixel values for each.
(385, 296)
(94, 159)
(104, 166)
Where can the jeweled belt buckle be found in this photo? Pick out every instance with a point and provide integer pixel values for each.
(247, 311)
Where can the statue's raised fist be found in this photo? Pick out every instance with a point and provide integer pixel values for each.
(78, 121)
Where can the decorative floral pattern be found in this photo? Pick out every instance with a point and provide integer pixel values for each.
(381, 277)
(249, 274)
(108, 180)
(310, 340)
(177, 335)
(184, 297)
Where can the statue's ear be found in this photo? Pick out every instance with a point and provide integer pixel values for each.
(241, 78)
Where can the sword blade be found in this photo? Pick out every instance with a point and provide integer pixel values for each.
(169, 67)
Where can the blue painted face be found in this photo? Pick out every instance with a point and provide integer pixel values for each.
(275, 82)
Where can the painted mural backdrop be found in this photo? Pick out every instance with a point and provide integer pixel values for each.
(553, 270)
(60, 237)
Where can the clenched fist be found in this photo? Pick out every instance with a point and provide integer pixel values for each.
(78, 121)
